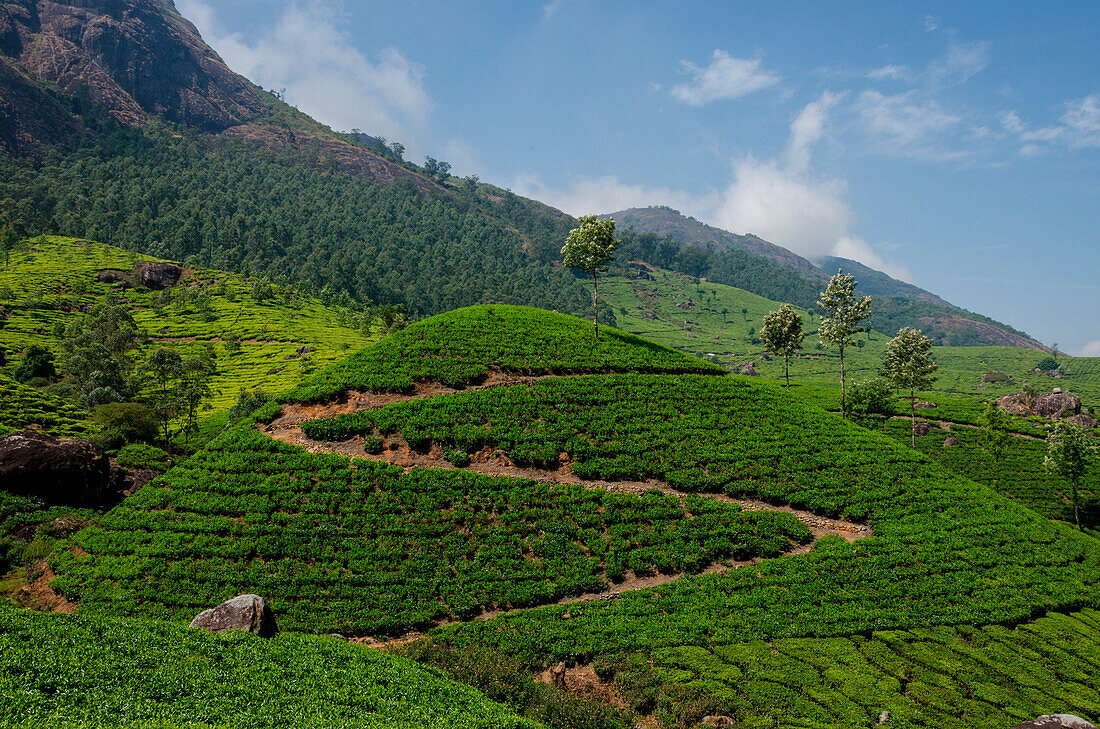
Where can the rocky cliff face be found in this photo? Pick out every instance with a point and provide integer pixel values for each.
(137, 58)
(140, 60)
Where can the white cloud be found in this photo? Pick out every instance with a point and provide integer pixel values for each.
(907, 124)
(778, 199)
(324, 74)
(963, 61)
(607, 194)
(1082, 121)
(931, 22)
(1080, 127)
(550, 9)
(890, 73)
(1092, 349)
(808, 128)
(725, 78)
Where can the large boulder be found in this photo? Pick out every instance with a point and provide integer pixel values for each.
(1056, 721)
(1054, 405)
(748, 369)
(244, 612)
(1083, 420)
(156, 275)
(921, 428)
(56, 470)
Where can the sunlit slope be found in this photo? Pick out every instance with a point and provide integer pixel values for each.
(52, 280)
(65, 670)
(22, 406)
(713, 319)
(462, 346)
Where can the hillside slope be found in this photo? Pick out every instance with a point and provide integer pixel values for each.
(942, 567)
(897, 305)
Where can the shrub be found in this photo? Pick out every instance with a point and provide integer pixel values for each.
(872, 398)
(140, 455)
(373, 444)
(37, 362)
(247, 402)
(125, 422)
(1047, 363)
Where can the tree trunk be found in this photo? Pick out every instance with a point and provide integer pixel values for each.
(787, 371)
(1076, 511)
(842, 411)
(595, 309)
(913, 416)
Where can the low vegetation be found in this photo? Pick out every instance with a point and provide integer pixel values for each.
(463, 346)
(83, 672)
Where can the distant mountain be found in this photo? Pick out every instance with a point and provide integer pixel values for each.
(683, 229)
(877, 283)
(898, 304)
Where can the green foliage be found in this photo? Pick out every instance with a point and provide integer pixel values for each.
(65, 670)
(125, 422)
(36, 362)
(247, 403)
(995, 423)
(871, 400)
(782, 335)
(55, 280)
(22, 406)
(1047, 364)
(233, 205)
(590, 245)
(945, 551)
(843, 313)
(140, 455)
(948, 678)
(462, 347)
(370, 549)
(1071, 449)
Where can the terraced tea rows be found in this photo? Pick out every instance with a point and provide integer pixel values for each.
(22, 406)
(81, 672)
(461, 347)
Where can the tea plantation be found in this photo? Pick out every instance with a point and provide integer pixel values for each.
(22, 406)
(462, 346)
(83, 672)
(963, 609)
(49, 282)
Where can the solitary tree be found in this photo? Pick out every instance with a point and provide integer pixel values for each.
(994, 436)
(909, 366)
(782, 334)
(843, 313)
(164, 367)
(588, 247)
(1070, 450)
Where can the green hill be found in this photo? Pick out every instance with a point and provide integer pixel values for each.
(22, 406)
(463, 346)
(63, 670)
(926, 618)
(51, 281)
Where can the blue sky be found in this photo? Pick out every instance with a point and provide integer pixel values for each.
(955, 145)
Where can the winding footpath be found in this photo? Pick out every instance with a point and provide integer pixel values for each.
(396, 451)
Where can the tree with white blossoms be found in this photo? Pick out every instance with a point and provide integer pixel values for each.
(842, 314)
(1070, 451)
(909, 366)
(782, 334)
(588, 247)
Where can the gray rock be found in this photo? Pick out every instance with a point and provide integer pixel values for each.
(950, 441)
(157, 275)
(59, 471)
(748, 369)
(1056, 721)
(244, 612)
(921, 428)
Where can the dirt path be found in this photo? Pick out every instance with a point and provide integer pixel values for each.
(288, 429)
(948, 424)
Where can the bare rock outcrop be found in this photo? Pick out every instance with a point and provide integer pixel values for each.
(921, 427)
(250, 613)
(56, 470)
(748, 369)
(1057, 721)
(157, 275)
(951, 441)
(1052, 405)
